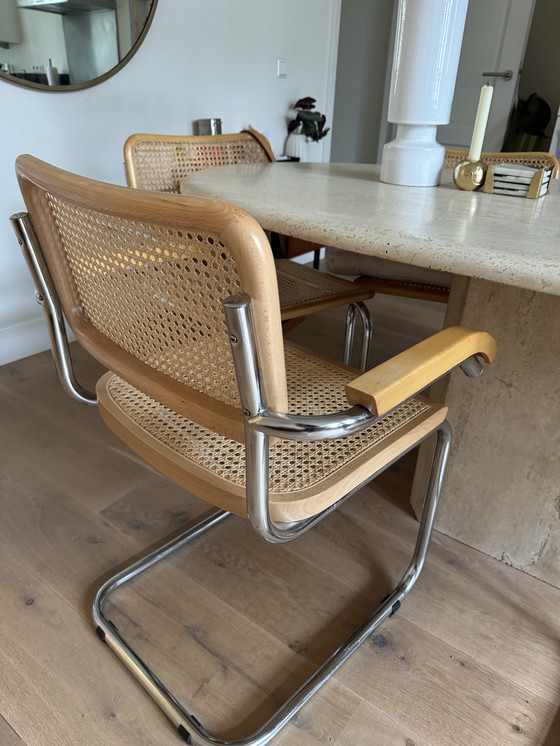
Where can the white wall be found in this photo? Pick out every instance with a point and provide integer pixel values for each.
(199, 60)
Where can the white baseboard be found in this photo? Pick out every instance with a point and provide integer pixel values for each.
(23, 340)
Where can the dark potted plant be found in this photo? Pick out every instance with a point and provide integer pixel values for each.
(307, 121)
(307, 126)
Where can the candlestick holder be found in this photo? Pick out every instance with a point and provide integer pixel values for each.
(469, 175)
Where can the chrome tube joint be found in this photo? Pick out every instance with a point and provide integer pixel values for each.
(433, 491)
(472, 367)
(313, 427)
(237, 310)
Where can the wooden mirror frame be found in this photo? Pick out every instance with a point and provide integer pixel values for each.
(94, 81)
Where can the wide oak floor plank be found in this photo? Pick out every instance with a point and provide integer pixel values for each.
(442, 694)
(68, 546)
(367, 726)
(58, 683)
(97, 467)
(154, 509)
(256, 584)
(496, 628)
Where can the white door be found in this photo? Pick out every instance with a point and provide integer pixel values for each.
(495, 38)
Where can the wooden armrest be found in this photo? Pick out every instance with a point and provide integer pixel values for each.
(387, 385)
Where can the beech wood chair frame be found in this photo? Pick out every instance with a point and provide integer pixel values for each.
(372, 396)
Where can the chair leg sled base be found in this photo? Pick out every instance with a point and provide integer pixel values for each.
(189, 728)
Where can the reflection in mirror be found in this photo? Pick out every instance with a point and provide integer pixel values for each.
(69, 44)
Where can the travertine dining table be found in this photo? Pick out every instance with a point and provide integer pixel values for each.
(502, 492)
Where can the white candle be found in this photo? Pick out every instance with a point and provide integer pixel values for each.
(480, 122)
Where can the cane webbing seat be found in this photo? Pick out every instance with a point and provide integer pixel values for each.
(297, 469)
(161, 162)
(405, 288)
(303, 290)
(177, 297)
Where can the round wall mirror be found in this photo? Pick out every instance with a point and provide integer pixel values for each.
(66, 45)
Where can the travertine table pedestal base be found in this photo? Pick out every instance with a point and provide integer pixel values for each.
(502, 493)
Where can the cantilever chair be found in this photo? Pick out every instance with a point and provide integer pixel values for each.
(161, 162)
(178, 298)
(392, 278)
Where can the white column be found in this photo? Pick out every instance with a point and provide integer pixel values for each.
(427, 48)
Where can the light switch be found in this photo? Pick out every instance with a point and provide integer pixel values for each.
(281, 68)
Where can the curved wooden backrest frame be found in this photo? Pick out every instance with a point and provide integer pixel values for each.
(263, 142)
(94, 234)
(160, 162)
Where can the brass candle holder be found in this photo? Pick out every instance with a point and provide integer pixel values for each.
(469, 175)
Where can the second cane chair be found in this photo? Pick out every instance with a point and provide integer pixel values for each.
(161, 162)
(178, 298)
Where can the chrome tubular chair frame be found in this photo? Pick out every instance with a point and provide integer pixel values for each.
(367, 326)
(47, 298)
(259, 424)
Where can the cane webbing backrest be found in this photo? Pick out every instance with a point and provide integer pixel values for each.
(536, 159)
(141, 277)
(161, 162)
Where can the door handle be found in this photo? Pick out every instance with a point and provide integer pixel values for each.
(506, 75)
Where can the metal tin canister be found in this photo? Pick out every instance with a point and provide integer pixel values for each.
(209, 126)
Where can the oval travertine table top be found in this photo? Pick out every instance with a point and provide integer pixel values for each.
(505, 239)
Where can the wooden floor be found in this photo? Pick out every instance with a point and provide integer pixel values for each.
(233, 624)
